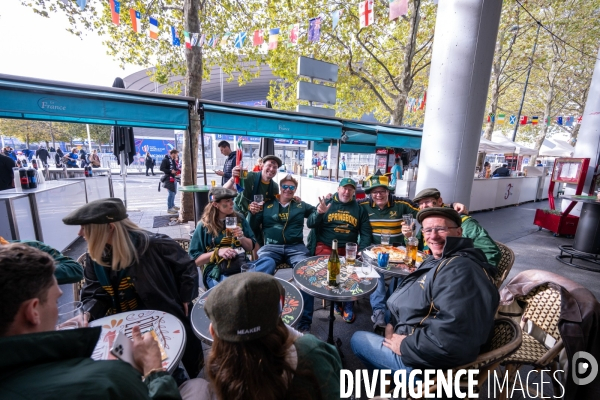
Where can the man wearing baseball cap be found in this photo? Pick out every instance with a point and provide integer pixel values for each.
(443, 312)
(431, 197)
(343, 219)
(385, 215)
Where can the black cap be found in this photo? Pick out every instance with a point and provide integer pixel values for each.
(439, 212)
(103, 211)
(220, 193)
(245, 306)
(273, 158)
(425, 193)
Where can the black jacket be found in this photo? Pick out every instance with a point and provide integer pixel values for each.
(166, 166)
(43, 155)
(453, 331)
(6, 172)
(502, 171)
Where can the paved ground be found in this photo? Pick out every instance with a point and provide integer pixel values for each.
(513, 226)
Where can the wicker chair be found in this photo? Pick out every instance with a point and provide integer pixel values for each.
(185, 243)
(542, 308)
(506, 340)
(78, 286)
(506, 262)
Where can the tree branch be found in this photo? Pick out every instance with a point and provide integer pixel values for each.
(377, 60)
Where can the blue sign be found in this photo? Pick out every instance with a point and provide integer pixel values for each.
(156, 147)
(223, 137)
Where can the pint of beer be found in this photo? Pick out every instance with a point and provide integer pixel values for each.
(259, 199)
(230, 225)
(351, 249)
(411, 251)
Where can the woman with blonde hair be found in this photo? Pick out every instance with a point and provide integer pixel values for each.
(128, 268)
(221, 255)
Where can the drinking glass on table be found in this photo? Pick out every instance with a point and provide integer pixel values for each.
(351, 250)
(213, 183)
(230, 225)
(365, 268)
(385, 237)
(70, 316)
(259, 199)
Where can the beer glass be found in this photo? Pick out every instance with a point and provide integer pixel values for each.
(213, 183)
(411, 251)
(385, 237)
(259, 199)
(230, 225)
(70, 316)
(408, 219)
(351, 249)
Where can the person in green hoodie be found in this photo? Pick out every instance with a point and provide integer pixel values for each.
(343, 219)
(281, 223)
(471, 229)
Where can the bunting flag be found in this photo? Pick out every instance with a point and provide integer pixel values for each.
(115, 9)
(500, 119)
(195, 39)
(314, 29)
(153, 28)
(213, 41)
(547, 121)
(294, 30)
(491, 117)
(523, 120)
(424, 99)
(335, 18)
(559, 120)
(258, 38)
(534, 120)
(240, 38)
(202, 40)
(188, 41)
(398, 8)
(366, 14)
(81, 4)
(175, 37)
(273, 38)
(512, 120)
(569, 121)
(579, 119)
(136, 24)
(224, 39)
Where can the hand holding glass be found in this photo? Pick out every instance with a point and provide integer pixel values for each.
(230, 225)
(259, 199)
(70, 316)
(408, 219)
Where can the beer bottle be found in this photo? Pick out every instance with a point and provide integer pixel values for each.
(333, 264)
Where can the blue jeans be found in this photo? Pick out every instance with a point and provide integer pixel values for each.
(171, 198)
(292, 254)
(211, 283)
(369, 348)
(265, 265)
(380, 295)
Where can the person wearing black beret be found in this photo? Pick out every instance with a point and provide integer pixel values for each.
(128, 268)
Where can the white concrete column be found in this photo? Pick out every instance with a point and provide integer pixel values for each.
(588, 139)
(461, 63)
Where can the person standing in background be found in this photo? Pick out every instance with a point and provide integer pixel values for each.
(230, 162)
(258, 166)
(43, 155)
(396, 171)
(6, 172)
(149, 163)
(95, 159)
(83, 157)
(170, 167)
(343, 163)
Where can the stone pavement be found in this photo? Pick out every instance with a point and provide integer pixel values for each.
(512, 226)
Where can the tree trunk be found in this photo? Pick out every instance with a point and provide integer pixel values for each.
(193, 59)
(574, 133)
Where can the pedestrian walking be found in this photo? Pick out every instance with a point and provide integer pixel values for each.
(170, 169)
(150, 162)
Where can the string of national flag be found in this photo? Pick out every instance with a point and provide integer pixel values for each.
(500, 119)
(366, 12)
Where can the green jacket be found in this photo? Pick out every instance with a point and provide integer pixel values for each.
(481, 239)
(203, 242)
(57, 365)
(253, 186)
(279, 225)
(346, 222)
(389, 218)
(67, 269)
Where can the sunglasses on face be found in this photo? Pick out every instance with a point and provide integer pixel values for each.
(288, 187)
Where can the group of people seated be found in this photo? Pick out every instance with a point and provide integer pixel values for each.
(439, 316)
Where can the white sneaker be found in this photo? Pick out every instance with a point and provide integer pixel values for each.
(172, 211)
(176, 208)
(378, 318)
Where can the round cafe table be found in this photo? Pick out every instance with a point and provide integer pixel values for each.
(290, 315)
(169, 331)
(311, 277)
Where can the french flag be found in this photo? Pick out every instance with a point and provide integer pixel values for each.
(115, 9)
(135, 20)
(153, 28)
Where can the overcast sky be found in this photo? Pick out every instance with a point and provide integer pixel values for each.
(40, 47)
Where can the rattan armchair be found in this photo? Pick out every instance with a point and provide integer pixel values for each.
(506, 340)
(505, 264)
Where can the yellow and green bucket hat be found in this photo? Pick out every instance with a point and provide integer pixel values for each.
(373, 181)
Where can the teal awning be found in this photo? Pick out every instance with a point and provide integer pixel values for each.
(246, 121)
(383, 135)
(347, 148)
(24, 98)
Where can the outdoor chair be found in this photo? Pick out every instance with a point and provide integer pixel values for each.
(184, 243)
(506, 340)
(505, 264)
(542, 306)
(78, 286)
